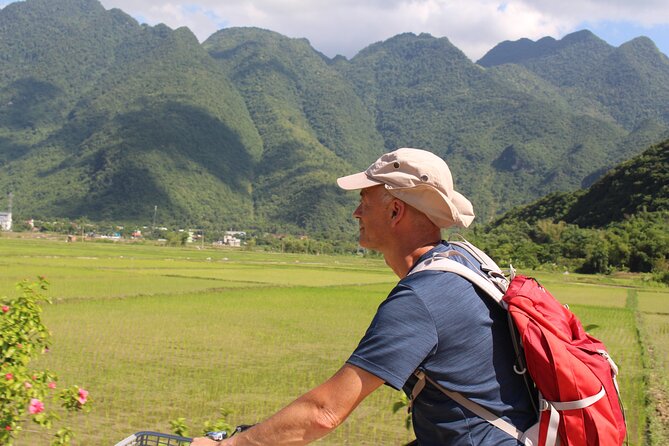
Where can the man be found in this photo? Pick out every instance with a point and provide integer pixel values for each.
(432, 321)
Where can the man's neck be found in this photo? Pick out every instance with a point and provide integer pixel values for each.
(401, 262)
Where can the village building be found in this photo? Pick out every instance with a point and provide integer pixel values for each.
(5, 221)
(230, 239)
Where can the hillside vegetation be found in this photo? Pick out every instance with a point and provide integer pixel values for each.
(619, 223)
(104, 118)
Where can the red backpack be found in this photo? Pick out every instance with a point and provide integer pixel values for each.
(579, 402)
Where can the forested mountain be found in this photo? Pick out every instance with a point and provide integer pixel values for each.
(313, 126)
(640, 184)
(619, 223)
(507, 133)
(105, 118)
(628, 85)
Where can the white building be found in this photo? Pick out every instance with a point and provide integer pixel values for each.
(5, 221)
(229, 239)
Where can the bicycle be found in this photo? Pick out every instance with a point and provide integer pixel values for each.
(150, 438)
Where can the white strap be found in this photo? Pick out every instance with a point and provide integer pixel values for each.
(483, 258)
(553, 425)
(554, 419)
(579, 404)
(614, 367)
(488, 265)
(449, 265)
(476, 409)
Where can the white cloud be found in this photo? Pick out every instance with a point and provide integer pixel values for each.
(646, 12)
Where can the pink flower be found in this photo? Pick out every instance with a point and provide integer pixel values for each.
(5, 308)
(36, 406)
(28, 385)
(9, 377)
(8, 428)
(52, 385)
(83, 396)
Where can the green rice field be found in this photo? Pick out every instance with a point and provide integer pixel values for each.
(157, 333)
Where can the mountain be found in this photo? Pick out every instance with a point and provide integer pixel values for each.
(640, 184)
(626, 85)
(104, 118)
(618, 224)
(314, 127)
(515, 129)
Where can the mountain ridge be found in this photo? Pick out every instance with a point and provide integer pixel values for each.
(640, 184)
(106, 118)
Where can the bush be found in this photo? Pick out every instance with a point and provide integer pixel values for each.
(25, 394)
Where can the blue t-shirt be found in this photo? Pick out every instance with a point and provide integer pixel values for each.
(439, 322)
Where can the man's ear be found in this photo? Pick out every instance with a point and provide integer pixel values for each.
(397, 211)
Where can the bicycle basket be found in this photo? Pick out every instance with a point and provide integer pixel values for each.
(146, 438)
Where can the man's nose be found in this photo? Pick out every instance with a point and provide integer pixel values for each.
(356, 213)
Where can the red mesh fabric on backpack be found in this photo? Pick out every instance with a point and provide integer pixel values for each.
(569, 367)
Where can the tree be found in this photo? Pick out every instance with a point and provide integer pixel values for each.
(597, 260)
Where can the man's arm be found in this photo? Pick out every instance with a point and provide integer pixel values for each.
(311, 416)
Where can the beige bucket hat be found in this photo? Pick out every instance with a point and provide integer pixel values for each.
(420, 179)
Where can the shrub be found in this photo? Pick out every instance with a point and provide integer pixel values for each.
(25, 394)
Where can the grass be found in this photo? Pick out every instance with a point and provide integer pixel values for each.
(654, 315)
(189, 355)
(617, 328)
(654, 301)
(158, 333)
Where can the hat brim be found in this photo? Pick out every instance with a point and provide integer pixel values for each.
(442, 210)
(358, 180)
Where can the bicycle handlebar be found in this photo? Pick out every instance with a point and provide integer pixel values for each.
(222, 435)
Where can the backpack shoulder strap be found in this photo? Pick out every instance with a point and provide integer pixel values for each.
(475, 408)
(443, 262)
(487, 264)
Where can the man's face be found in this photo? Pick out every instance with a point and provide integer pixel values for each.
(374, 215)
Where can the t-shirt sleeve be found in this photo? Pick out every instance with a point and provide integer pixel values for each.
(401, 335)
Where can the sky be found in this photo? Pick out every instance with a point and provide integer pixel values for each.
(474, 26)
